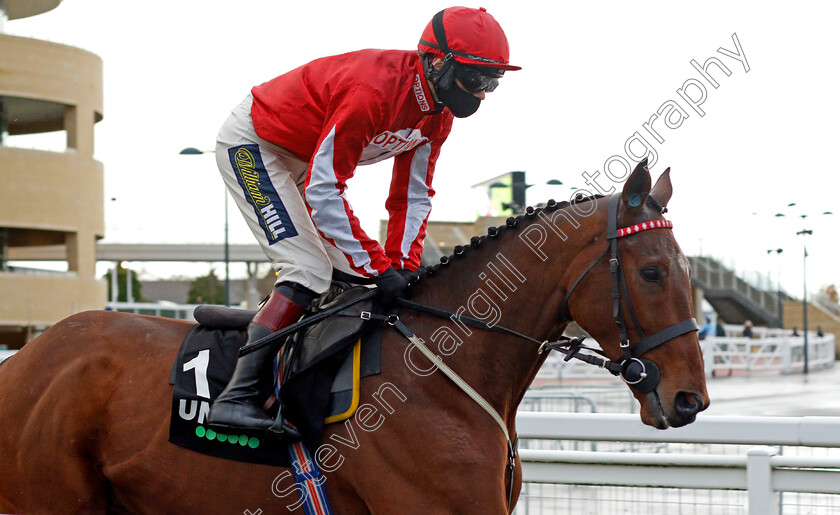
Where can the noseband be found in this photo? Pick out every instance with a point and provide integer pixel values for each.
(640, 373)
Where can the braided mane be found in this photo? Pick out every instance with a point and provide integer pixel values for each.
(511, 224)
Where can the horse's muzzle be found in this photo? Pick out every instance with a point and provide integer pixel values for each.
(686, 406)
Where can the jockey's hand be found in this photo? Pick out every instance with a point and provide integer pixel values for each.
(410, 276)
(391, 285)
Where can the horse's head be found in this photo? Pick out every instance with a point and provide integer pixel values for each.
(638, 292)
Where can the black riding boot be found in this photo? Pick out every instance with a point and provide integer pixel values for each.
(240, 404)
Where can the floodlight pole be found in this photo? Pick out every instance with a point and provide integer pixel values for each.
(191, 151)
(804, 233)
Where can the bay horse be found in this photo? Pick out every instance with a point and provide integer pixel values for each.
(84, 408)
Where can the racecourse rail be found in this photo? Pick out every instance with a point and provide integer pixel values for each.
(760, 470)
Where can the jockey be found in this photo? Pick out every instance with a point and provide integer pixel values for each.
(287, 151)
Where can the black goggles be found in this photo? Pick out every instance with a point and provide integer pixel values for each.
(474, 80)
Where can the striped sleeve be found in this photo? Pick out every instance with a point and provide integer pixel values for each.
(338, 153)
(410, 202)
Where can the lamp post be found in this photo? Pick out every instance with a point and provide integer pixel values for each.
(778, 285)
(804, 233)
(192, 151)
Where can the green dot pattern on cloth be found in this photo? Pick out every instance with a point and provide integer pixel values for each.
(243, 440)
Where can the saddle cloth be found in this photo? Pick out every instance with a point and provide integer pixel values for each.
(320, 386)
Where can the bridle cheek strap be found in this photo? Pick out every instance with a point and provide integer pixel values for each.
(641, 374)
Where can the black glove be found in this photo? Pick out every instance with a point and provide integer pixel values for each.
(410, 276)
(391, 285)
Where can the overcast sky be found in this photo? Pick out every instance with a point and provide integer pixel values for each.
(594, 74)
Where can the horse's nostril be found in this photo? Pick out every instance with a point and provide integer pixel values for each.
(687, 404)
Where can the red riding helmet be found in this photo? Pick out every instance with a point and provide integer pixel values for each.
(472, 36)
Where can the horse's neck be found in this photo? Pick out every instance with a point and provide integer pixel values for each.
(511, 284)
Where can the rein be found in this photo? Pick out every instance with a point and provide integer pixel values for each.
(566, 345)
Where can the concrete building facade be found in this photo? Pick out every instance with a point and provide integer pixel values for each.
(48, 199)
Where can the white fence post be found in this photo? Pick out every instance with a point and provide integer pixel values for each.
(787, 363)
(707, 348)
(762, 499)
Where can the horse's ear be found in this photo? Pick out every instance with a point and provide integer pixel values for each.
(662, 190)
(637, 187)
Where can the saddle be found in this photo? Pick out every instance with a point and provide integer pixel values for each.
(321, 371)
(313, 344)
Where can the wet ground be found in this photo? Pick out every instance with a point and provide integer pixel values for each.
(747, 394)
(792, 395)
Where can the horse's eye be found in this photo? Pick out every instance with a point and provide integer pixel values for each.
(651, 274)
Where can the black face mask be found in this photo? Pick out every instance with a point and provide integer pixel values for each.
(460, 102)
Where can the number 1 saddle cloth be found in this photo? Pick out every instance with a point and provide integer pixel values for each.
(320, 380)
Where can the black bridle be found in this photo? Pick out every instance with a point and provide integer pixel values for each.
(638, 372)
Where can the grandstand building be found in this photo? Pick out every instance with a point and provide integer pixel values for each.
(47, 199)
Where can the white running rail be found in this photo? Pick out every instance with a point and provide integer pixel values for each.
(760, 470)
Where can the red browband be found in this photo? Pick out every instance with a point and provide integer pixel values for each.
(644, 226)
